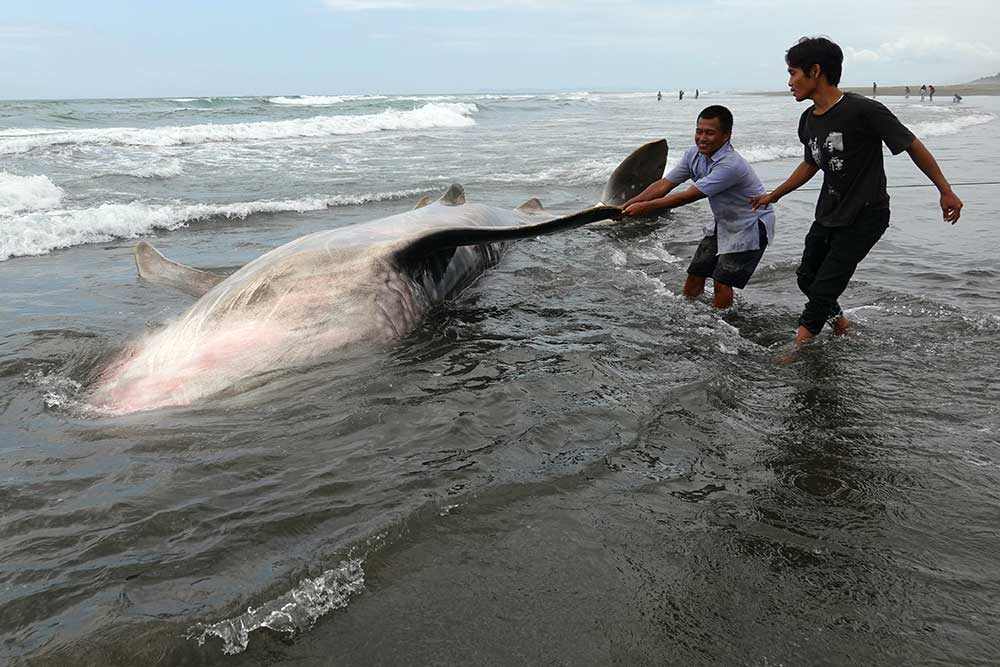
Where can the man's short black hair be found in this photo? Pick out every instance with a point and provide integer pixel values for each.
(724, 115)
(810, 51)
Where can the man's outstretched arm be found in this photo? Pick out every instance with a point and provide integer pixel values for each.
(802, 174)
(655, 190)
(653, 206)
(951, 205)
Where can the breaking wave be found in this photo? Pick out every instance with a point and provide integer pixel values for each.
(167, 168)
(41, 232)
(939, 128)
(427, 116)
(27, 193)
(293, 612)
(321, 100)
(761, 153)
(589, 171)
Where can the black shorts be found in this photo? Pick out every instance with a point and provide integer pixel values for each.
(734, 268)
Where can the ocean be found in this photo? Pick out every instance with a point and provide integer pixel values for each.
(569, 463)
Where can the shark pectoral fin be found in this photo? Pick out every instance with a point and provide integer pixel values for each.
(454, 196)
(460, 236)
(531, 206)
(424, 201)
(636, 172)
(156, 268)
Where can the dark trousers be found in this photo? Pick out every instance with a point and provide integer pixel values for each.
(829, 259)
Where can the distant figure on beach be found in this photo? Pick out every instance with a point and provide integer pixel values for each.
(680, 94)
(907, 92)
(852, 211)
(696, 93)
(957, 98)
(931, 91)
(923, 91)
(736, 236)
(874, 89)
(659, 96)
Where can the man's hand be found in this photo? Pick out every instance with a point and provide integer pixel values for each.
(762, 200)
(951, 207)
(640, 209)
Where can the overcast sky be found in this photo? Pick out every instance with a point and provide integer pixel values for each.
(137, 48)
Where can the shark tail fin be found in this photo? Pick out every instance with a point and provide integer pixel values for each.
(636, 172)
(454, 237)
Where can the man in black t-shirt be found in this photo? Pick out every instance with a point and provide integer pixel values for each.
(843, 135)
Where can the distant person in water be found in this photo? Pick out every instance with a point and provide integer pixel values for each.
(923, 91)
(930, 91)
(874, 89)
(907, 92)
(736, 236)
(659, 96)
(680, 94)
(842, 135)
(957, 98)
(696, 93)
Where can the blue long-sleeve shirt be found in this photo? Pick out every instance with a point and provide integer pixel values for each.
(729, 182)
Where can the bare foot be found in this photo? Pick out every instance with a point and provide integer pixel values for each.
(791, 352)
(803, 336)
(840, 326)
(723, 297)
(694, 286)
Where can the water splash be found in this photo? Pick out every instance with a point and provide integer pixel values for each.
(293, 612)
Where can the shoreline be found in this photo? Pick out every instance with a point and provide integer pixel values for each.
(942, 92)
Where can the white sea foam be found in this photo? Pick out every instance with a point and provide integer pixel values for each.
(761, 153)
(579, 172)
(167, 168)
(308, 100)
(321, 100)
(27, 193)
(291, 613)
(427, 116)
(939, 128)
(41, 232)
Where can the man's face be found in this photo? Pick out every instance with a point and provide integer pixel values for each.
(708, 136)
(800, 83)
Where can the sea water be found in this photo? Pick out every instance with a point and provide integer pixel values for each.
(569, 463)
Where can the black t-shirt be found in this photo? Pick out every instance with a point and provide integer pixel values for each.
(846, 143)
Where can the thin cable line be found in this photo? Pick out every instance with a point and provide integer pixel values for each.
(916, 185)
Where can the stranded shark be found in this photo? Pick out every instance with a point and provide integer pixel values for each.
(366, 283)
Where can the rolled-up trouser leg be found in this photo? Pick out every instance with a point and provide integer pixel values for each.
(823, 275)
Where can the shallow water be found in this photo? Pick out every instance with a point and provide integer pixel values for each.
(569, 463)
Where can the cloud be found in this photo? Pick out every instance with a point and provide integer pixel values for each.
(922, 49)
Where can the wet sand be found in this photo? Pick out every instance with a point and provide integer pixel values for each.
(942, 92)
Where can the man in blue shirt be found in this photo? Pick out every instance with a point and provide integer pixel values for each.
(737, 235)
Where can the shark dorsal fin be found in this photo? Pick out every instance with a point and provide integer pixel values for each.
(531, 206)
(156, 268)
(424, 201)
(454, 196)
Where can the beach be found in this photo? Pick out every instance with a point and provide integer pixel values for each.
(943, 93)
(569, 463)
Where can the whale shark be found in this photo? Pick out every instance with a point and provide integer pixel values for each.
(367, 283)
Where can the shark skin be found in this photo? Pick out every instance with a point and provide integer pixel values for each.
(366, 284)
